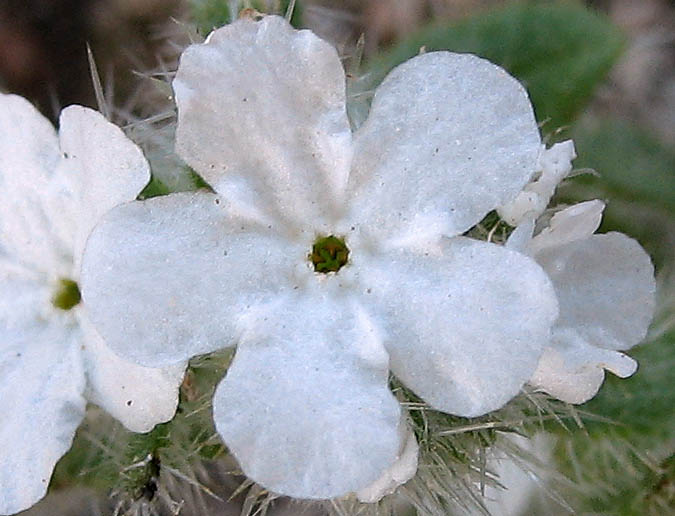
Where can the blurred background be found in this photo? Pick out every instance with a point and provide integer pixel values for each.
(599, 71)
(42, 44)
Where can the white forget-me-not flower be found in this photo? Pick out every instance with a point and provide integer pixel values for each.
(329, 257)
(606, 293)
(53, 190)
(604, 283)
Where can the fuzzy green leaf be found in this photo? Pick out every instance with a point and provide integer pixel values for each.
(631, 164)
(559, 51)
(644, 402)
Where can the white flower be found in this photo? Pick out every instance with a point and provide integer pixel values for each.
(606, 293)
(305, 406)
(53, 189)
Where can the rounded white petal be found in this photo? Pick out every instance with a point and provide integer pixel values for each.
(605, 287)
(167, 278)
(261, 110)
(139, 397)
(449, 138)
(29, 153)
(573, 371)
(574, 223)
(397, 474)
(302, 409)
(465, 323)
(41, 406)
(102, 167)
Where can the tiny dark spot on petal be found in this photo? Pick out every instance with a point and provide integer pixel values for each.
(129, 403)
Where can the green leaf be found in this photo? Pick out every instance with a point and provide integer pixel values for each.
(559, 51)
(631, 164)
(644, 402)
(209, 14)
(154, 188)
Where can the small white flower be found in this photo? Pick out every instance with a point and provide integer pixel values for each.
(606, 293)
(53, 189)
(330, 258)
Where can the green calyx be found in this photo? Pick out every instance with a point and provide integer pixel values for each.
(67, 294)
(329, 254)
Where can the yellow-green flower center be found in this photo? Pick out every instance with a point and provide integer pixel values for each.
(329, 254)
(67, 294)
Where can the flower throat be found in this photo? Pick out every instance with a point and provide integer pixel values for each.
(329, 254)
(67, 294)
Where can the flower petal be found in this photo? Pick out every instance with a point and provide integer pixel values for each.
(41, 405)
(466, 322)
(398, 473)
(605, 287)
(261, 113)
(29, 153)
(138, 397)
(305, 407)
(175, 273)
(574, 223)
(24, 297)
(103, 167)
(449, 138)
(573, 371)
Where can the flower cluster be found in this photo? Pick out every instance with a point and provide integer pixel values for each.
(329, 257)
